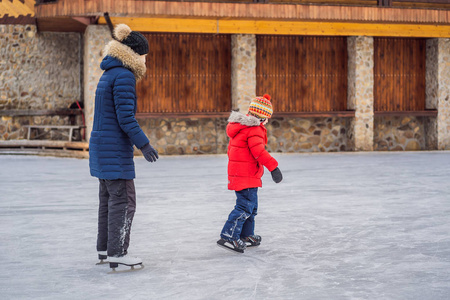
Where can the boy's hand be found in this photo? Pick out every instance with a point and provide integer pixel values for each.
(150, 153)
(276, 175)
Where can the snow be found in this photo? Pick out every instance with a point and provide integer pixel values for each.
(339, 226)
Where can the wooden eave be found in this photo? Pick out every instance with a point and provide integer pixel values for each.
(169, 16)
(17, 12)
(284, 12)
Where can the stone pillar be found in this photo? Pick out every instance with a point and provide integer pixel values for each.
(431, 90)
(95, 39)
(438, 93)
(243, 70)
(360, 91)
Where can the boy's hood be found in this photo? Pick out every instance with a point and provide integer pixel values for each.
(238, 121)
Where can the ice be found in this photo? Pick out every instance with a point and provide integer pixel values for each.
(339, 226)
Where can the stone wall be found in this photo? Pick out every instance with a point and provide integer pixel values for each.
(95, 39)
(308, 134)
(423, 133)
(38, 71)
(431, 90)
(430, 127)
(186, 136)
(432, 63)
(208, 136)
(360, 91)
(400, 133)
(243, 70)
(443, 94)
(12, 128)
(438, 92)
(44, 71)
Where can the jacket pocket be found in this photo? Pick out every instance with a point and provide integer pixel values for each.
(259, 171)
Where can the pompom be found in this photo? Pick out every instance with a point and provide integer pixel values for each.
(267, 96)
(121, 32)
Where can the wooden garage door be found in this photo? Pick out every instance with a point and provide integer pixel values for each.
(186, 73)
(399, 74)
(303, 74)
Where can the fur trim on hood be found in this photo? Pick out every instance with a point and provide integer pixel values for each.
(237, 117)
(130, 59)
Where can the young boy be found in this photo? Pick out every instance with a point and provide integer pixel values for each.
(246, 158)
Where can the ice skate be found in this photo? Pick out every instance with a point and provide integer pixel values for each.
(125, 260)
(234, 245)
(103, 256)
(252, 240)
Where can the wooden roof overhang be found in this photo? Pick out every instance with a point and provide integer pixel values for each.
(17, 12)
(247, 18)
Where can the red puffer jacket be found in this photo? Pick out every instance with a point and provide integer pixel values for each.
(246, 152)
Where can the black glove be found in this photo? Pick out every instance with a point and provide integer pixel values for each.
(149, 152)
(276, 175)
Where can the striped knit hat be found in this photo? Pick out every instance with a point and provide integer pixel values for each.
(261, 107)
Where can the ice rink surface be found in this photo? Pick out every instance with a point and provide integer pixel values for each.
(339, 226)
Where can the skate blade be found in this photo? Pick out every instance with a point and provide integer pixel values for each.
(252, 246)
(102, 262)
(229, 248)
(132, 269)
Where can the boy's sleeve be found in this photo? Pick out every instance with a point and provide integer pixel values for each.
(124, 93)
(259, 152)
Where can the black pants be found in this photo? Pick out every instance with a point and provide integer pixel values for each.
(115, 215)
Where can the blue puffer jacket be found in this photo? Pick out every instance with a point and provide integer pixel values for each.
(115, 128)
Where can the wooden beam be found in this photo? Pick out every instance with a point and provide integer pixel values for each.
(41, 112)
(227, 26)
(333, 29)
(243, 11)
(166, 25)
(317, 114)
(85, 20)
(422, 113)
(425, 1)
(64, 24)
(342, 114)
(182, 115)
(44, 143)
(421, 5)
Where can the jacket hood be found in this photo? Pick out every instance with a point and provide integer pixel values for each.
(110, 62)
(118, 54)
(247, 120)
(238, 121)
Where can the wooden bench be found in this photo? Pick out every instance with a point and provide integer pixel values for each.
(45, 148)
(71, 129)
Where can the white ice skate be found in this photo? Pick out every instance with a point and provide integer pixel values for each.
(125, 260)
(103, 256)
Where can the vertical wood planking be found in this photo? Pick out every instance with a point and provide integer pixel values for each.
(420, 61)
(399, 69)
(186, 73)
(376, 53)
(303, 74)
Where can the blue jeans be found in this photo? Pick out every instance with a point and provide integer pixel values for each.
(241, 221)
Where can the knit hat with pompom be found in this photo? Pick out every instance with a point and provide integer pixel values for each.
(261, 107)
(133, 39)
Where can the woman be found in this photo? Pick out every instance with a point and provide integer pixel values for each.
(114, 133)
